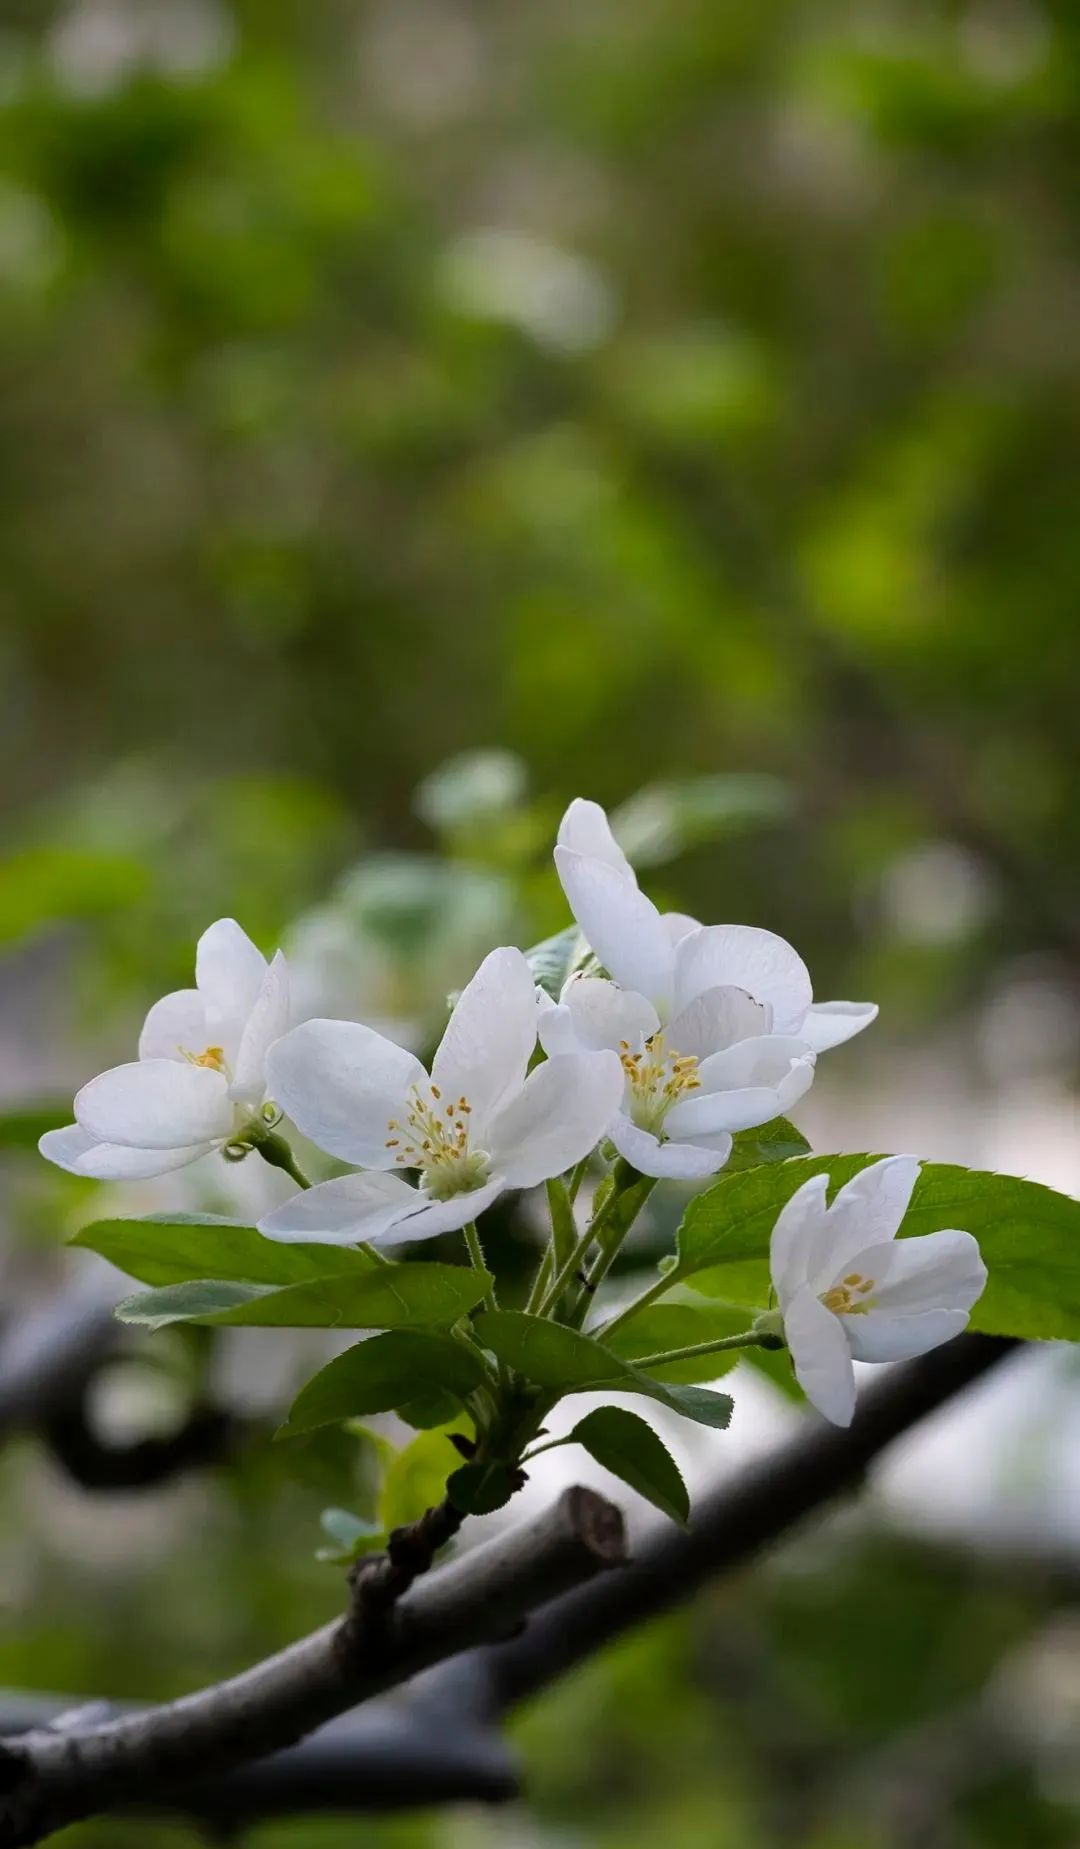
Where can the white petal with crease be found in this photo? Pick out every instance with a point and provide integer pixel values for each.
(586, 830)
(743, 957)
(621, 925)
(820, 1356)
(670, 1160)
(829, 1024)
(175, 1026)
(155, 1104)
(341, 1084)
(560, 1114)
(267, 1022)
(75, 1150)
(342, 1212)
(484, 1053)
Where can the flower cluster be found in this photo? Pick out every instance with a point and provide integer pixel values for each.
(667, 1038)
(715, 1025)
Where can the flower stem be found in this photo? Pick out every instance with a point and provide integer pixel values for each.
(610, 1226)
(576, 1178)
(550, 1444)
(570, 1266)
(476, 1254)
(631, 1191)
(663, 1284)
(749, 1338)
(275, 1150)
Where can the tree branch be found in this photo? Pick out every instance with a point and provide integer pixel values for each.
(733, 1525)
(396, 1753)
(49, 1778)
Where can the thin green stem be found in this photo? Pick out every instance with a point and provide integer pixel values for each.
(577, 1176)
(631, 1192)
(539, 1283)
(748, 1339)
(571, 1265)
(275, 1150)
(476, 1254)
(551, 1444)
(655, 1291)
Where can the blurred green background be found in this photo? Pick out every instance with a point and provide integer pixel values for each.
(663, 396)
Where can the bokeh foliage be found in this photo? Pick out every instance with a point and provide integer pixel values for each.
(651, 390)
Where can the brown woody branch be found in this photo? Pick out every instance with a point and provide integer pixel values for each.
(53, 1777)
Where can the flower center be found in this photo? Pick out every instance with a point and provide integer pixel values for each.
(212, 1057)
(435, 1139)
(659, 1076)
(848, 1298)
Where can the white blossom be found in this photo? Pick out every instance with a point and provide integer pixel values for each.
(848, 1290)
(687, 1086)
(671, 958)
(479, 1124)
(715, 1026)
(200, 1079)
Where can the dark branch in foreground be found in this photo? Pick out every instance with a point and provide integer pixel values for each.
(395, 1753)
(446, 1756)
(730, 1527)
(49, 1778)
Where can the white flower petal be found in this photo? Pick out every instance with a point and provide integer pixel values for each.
(229, 971)
(75, 1149)
(867, 1211)
(443, 1216)
(746, 1085)
(156, 1104)
(621, 925)
(602, 1015)
(490, 1037)
(586, 830)
(342, 1212)
(743, 957)
(829, 1024)
(671, 1161)
(820, 1356)
(554, 1025)
(901, 1338)
(717, 1019)
(559, 1115)
(937, 1271)
(341, 1084)
(175, 1026)
(794, 1235)
(678, 925)
(267, 1022)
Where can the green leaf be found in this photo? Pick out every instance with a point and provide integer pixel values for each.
(698, 1403)
(350, 1535)
(377, 1297)
(631, 1450)
(171, 1248)
(429, 1410)
(552, 961)
(23, 1128)
(382, 1373)
(681, 1325)
(563, 1361)
(416, 1477)
(775, 1142)
(1029, 1237)
(479, 1489)
(547, 1353)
